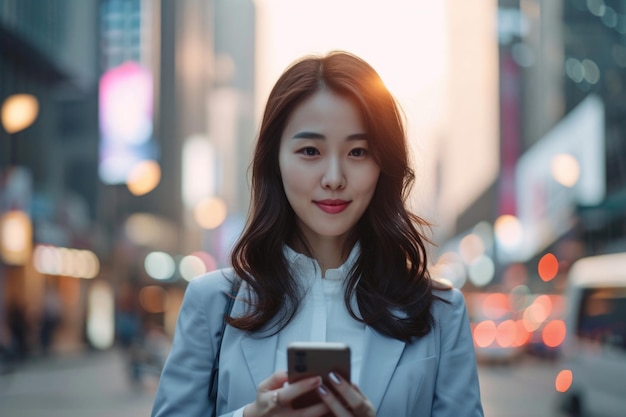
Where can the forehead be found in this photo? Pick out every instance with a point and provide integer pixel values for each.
(328, 111)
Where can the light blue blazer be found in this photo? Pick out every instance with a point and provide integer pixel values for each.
(434, 376)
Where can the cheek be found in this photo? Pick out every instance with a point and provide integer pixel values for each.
(295, 179)
(367, 180)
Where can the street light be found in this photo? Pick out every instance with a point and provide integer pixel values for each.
(19, 111)
(16, 233)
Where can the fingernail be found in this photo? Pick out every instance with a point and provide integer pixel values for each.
(334, 378)
(317, 381)
(322, 390)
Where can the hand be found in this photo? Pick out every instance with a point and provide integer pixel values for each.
(273, 398)
(349, 401)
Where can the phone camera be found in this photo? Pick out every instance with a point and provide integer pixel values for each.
(300, 361)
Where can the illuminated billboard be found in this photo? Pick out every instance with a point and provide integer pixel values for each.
(126, 121)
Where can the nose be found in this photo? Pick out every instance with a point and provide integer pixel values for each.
(334, 177)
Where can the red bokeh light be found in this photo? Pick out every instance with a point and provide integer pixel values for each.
(563, 380)
(553, 333)
(548, 267)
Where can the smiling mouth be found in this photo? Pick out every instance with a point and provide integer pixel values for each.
(332, 206)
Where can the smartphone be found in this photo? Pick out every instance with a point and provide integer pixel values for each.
(307, 359)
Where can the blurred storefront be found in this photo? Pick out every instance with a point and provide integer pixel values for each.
(47, 53)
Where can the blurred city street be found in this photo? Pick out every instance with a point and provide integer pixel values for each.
(93, 384)
(128, 129)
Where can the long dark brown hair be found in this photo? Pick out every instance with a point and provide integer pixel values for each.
(390, 279)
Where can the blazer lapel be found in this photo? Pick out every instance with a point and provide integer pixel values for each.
(260, 355)
(380, 358)
(259, 351)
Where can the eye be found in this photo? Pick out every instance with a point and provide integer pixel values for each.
(309, 151)
(358, 152)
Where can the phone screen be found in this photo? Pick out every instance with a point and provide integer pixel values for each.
(306, 359)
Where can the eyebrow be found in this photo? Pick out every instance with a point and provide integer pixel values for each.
(314, 135)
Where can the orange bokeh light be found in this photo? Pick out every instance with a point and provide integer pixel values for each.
(496, 305)
(485, 333)
(546, 302)
(563, 380)
(548, 267)
(553, 333)
(522, 336)
(506, 333)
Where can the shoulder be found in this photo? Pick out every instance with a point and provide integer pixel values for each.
(210, 285)
(448, 301)
(451, 321)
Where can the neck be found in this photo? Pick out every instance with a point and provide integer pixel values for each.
(328, 257)
(327, 252)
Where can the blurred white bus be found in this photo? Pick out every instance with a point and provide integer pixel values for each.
(592, 381)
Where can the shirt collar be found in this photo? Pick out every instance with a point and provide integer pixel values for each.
(303, 263)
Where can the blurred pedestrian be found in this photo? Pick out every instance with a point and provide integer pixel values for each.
(50, 317)
(330, 253)
(18, 329)
(128, 328)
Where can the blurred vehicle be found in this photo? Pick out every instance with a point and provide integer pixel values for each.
(544, 318)
(593, 376)
(498, 331)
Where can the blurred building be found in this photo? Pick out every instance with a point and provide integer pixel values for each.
(594, 42)
(562, 182)
(48, 50)
(138, 153)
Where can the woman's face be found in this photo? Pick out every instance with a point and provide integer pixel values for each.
(328, 174)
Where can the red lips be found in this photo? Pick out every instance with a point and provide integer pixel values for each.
(332, 206)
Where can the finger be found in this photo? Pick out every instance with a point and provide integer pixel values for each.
(294, 390)
(333, 403)
(275, 381)
(356, 401)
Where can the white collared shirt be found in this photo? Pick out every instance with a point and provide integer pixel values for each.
(322, 316)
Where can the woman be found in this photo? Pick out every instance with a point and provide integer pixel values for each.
(330, 253)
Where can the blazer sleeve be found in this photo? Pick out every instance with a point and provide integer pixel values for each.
(457, 391)
(184, 382)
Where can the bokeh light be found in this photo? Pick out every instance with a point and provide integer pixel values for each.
(76, 263)
(534, 315)
(564, 380)
(16, 233)
(508, 231)
(145, 229)
(565, 169)
(210, 213)
(100, 326)
(19, 111)
(143, 177)
(553, 333)
(450, 268)
(191, 266)
(506, 333)
(522, 336)
(160, 265)
(485, 333)
(495, 305)
(471, 247)
(548, 267)
(481, 271)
